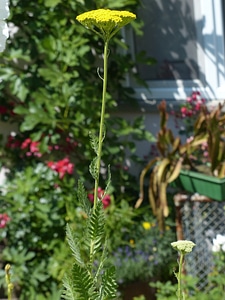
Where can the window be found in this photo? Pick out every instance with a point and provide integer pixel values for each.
(186, 37)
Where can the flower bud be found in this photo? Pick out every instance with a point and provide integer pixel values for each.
(183, 246)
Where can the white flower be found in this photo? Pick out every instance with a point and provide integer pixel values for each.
(183, 246)
(4, 13)
(218, 243)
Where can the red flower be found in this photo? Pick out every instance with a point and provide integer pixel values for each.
(12, 142)
(3, 110)
(25, 143)
(4, 219)
(33, 147)
(51, 165)
(62, 167)
(105, 199)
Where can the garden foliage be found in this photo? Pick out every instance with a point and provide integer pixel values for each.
(50, 92)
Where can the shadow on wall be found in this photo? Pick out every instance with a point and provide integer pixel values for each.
(172, 35)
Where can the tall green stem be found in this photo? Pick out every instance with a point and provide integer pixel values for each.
(179, 290)
(101, 129)
(8, 281)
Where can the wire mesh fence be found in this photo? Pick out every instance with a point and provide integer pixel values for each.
(200, 220)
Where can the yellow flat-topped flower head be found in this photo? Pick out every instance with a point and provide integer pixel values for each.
(105, 22)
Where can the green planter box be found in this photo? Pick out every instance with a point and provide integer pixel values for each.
(206, 185)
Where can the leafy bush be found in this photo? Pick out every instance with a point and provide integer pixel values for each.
(49, 90)
(144, 253)
(214, 290)
(36, 201)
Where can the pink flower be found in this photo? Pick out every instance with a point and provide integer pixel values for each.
(204, 146)
(198, 106)
(51, 165)
(62, 167)
(105, 200)
(183, 110)
(206, 154)
(33, 147)
(190, 139)
(189, 99)
(189, 113)
(25, 143)
(192, 106)
(4, 219)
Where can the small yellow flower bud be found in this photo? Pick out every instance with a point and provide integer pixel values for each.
(7, 267)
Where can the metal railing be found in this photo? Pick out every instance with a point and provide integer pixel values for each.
(199, 219)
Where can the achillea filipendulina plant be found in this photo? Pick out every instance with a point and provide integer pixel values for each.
(9, 284)
(107, 22)
(183, 247)
(90, 278)
(49, 90)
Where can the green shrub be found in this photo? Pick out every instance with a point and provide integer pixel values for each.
(50, 91)
(144, 253)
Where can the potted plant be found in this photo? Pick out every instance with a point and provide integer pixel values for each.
(196, 166)
(164, 169)
(203, 169)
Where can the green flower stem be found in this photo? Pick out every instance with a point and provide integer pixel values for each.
(8, 281)
(101, 128)
(179, 289)
(183, 247)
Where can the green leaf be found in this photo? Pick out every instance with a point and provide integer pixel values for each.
(52, 3)
(20, 110)
(94, 142)
(109, 285)
(29, 123)
(83, 282)
(95, 230)
(74, 246)
(108, 180)
(93, 168)
(82, 197)
(69, 291)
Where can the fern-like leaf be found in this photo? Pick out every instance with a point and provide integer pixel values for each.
(109, 285)
(82, 197)
(74, 245)
(82, 283)
(102, 260)
(93, 168)
(94, 142)
(95, 230)
(108, 180)
(68, 292)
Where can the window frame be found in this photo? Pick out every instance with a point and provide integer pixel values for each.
(209, 21)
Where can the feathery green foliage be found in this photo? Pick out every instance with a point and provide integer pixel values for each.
(89, 279)
(92, 280)
(74, 246)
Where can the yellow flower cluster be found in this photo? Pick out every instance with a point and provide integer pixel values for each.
(106, 20)
(147, 225)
